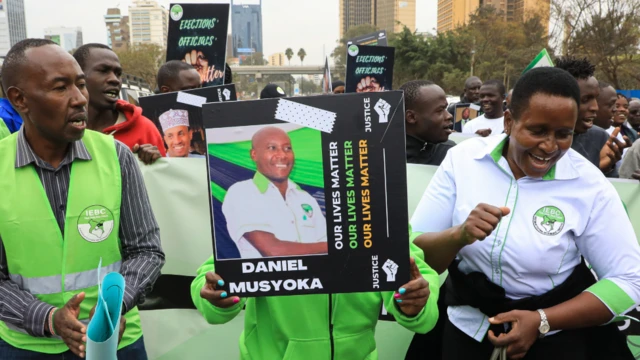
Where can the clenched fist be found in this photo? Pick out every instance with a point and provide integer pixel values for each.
(480, 223)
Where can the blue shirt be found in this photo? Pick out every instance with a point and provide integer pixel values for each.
(10, 116)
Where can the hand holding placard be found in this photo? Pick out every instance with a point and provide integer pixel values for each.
(413, 296)
(217, 298)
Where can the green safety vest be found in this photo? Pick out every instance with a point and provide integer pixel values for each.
(40, 260)
(4, 130)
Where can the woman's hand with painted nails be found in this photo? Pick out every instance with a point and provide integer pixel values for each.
(412, 297)
(217, 298)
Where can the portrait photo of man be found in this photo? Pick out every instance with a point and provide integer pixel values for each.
(270, 215)
(463, 114)
(177, 133)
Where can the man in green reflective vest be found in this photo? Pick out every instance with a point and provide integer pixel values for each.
(70, 199)
(4, 130)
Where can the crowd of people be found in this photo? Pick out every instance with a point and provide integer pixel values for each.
(514, 213)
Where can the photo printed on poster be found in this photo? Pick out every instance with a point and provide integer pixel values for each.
(178, 117)
(369, 68)
(463, 114)
(309, 195)
(198, 36)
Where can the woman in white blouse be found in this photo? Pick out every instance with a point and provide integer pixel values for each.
(511, 216)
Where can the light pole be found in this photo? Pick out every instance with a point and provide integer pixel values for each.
(473, 61)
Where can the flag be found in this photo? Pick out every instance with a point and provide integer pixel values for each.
(326, 79)
(542, 60)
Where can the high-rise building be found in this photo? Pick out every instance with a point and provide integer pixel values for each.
(520, 9)
(356, 12)
(13, 26)
(394, 15)
(389, 15)
(148, 23)
(68, 38)
(246, 28)
(229, 46)
(455, 13)
(277, 59)
(118, 35)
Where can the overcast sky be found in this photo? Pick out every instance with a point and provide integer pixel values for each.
(310, 24)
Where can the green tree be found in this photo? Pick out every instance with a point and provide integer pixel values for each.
(289, 54)
(256, 59)
(308, 87)
(339, 54)
(302, 54)
(608, 33)
(143, 61)
(286, 81)
(449, 58)
(502, 57)
(442, 58)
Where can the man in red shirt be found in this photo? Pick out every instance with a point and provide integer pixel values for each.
(110, 115)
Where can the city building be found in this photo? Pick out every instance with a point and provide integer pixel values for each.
(277, 59)
(148, 23)
(13, 26)
(118, 36)
(455, 13)
(389, 15)
(520, 8)
(356, 12)
(246, 28)
(229, 49)
(69, 38)
(394, 15)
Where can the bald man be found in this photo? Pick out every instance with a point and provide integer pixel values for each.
(471, 93)
(269, 215)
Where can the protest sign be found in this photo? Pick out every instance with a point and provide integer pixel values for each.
(178, 194)
(178, 116)
(378, 38)
(463, 114)
(198, 36)
(369, 68)
(339, 162)
(326, 78)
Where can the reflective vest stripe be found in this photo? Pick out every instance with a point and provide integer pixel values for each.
(86, 279)
(47, 285)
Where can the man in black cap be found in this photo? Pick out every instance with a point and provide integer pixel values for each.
(272, 91)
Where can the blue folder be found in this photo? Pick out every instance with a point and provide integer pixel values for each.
(104, 328)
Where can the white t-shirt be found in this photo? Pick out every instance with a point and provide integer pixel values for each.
(553, 222)
(257, 205)
(481, 123)
(619, 137)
